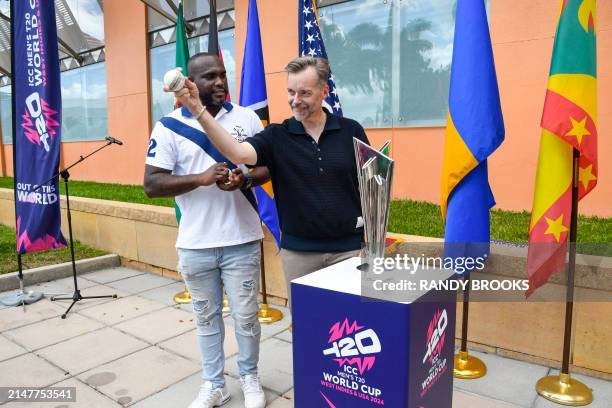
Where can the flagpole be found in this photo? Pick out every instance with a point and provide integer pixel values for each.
(180, 59)
(266, 313)
(562, 389)
(467, 367)
(569, 306)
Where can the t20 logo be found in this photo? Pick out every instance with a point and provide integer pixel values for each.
(351, 345)
(43, 126)
(436, 334)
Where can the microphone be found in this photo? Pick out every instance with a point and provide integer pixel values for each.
(113, 140)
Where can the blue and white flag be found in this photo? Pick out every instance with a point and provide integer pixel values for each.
(36, 134)
(311, 43)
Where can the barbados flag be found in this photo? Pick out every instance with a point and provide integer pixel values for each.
(569, 122)
(474, 129)
(253, 95)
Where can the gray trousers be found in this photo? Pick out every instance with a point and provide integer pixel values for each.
(297, 264)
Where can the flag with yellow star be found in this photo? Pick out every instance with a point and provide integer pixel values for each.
(569, 121)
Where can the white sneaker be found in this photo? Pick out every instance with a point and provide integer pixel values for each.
(210, 397)
(254, 396)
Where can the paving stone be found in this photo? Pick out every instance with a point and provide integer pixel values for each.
(91, 350)
(111, 274)
(86, 397)
(277, 327)
(289, 394)
(9, 349)
(141, 283)
(121, 310)
(159, 326)
(285, 335)
(164, 294)
(466, 400)
(139, 375)
(51, 331)
(281, 402)
(177, 395)
(506, 380)
(28, 370)
(63, 286)
(182, 393)
(13, 317)
(97, 290)
(275, 365)
(602, 392)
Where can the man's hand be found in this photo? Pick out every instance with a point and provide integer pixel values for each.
(233, 182)
(217, 173)
(188, 96)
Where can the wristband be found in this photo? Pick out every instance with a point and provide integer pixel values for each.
(248, 182)
(200, 113)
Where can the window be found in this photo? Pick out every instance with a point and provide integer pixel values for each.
(84, 107)
(391, 60)
(5, 114)
(80, 27)
(162, 59)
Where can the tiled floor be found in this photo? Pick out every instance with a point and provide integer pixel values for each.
(111, 350)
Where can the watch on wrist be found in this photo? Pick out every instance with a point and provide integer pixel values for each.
(248, 182)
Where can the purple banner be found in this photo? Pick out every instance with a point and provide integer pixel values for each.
(36, 134)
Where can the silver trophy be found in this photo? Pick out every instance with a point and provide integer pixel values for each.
(375, 173)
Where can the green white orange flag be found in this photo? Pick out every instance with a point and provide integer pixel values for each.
(182, 49)
(569, 121)
(181, 58)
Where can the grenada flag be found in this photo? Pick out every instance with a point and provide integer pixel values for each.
(569, 122)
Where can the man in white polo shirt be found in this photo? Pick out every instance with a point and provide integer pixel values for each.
(219, 231)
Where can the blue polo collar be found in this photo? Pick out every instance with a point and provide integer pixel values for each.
(226, 105)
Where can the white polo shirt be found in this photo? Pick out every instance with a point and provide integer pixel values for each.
(210, 217)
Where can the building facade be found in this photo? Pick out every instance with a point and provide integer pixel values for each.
(391, 62)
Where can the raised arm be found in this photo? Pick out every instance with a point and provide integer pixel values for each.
(232, 149)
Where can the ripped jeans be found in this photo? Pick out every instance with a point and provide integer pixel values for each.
(206, 272)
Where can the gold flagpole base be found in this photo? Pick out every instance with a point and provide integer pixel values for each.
(468, 367)
(226, 306)
(564, 390)
(269, 314)
(183, 298)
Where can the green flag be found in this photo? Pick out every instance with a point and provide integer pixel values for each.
(182, 49)
(181, 58)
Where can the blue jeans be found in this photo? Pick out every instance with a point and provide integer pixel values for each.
(206, 272)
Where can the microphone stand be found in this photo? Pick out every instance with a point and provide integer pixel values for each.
(76, 296)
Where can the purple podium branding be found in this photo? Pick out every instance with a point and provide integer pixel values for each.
(349, 351)
(37, 132)
(354, 348)
(435, 363)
